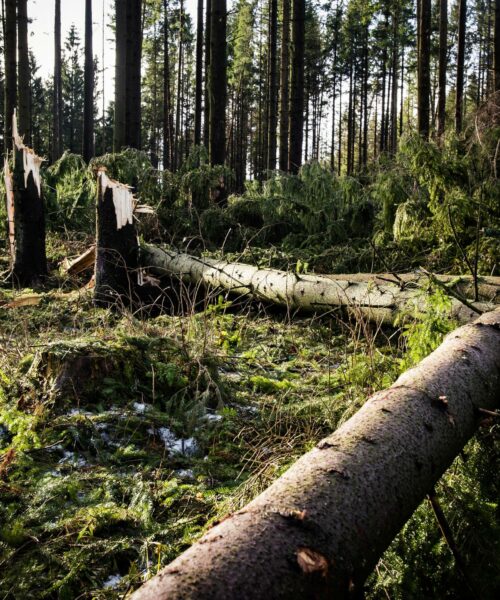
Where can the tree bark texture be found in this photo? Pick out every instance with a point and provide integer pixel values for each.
(273, 85)
(88, 106)
(424, 69)
(459, 100)
(133, 74)
(57, 116)
(199, 76)
(24, 74)
(28, 215)
(284, 86)
(297, 86)
(218, 82)
(120, 74)
(116, 241)
(496, 47)
(443, 60)
(377, 301)
(10, 71)
(319, 530)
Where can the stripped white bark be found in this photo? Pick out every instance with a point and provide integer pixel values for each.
(9, 191)
(379, 301)
(31, 161)
(123, 199)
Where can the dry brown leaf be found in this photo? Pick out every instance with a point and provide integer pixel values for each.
(311, 561)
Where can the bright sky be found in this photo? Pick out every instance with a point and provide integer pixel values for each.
(41, 40)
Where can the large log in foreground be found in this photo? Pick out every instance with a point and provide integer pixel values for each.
(376, 299)
(319, 530)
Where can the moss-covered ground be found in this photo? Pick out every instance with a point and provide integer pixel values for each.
(123, 436)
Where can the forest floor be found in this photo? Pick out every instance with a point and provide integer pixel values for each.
(122, 437)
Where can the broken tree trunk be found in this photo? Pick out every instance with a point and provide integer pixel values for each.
(377, 300)
(116, 241)
(26, 214)
(319, 530)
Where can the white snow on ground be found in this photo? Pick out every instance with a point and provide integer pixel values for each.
(112, 582)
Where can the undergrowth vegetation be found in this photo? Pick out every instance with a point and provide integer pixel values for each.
(123, 436)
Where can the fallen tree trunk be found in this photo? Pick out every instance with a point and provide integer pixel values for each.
(319, 530)
(377, 300)
(488, 287)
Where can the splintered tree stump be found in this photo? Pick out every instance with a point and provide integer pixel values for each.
(26, 214)
(116, 242)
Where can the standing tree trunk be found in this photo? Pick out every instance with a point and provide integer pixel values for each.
(319, 530)
(285, 86)
(116, 244)
(297, 86)
(208, 28)
(133, 74)
(57, 111)
(443, 58)
(424, 71)
(120, 75)
(273, 85)
(459, 101)
(394, 86)
(24, 82)
(218, 82)
(167, 101)
(88, 107)
(10, 71)
(178, 103)
(26, 214)
(199, 76)
(496, 48)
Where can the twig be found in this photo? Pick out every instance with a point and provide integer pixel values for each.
(490, 413)
(449, 539)
(452, 292)
(402, 284)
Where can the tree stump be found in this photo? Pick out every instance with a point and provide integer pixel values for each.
(117, 247)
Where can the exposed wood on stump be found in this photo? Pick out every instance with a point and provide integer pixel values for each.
(117, 248)
(26, 214)
(319, 530)
(379, 301)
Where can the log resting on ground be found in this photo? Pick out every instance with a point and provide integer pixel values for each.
(376, 299)
(319, 530)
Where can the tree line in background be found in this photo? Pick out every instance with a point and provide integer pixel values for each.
(266, 85)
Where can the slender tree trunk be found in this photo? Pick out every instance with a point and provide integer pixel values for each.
(496, 47)
(24, 74)
(273, 85)
(443, 59)
(167, 104)
(218, 82)
(179, 84)
(199, 76)
(10, 71)
(119, 131)
(88, 108)
(424, 75)
(285, 86)
(394, 85)
(133, 74)
(459, 102)
(208, 45)
(297, 87)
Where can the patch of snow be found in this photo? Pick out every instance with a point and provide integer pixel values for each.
(186, 446)
(140, 408)
(78, 411)
(185, 473)
(73, 459)
(113, 581)
(213, 417)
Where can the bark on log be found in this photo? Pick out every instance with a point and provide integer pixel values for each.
(377, 300)
(116, 241)
(319, 530)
